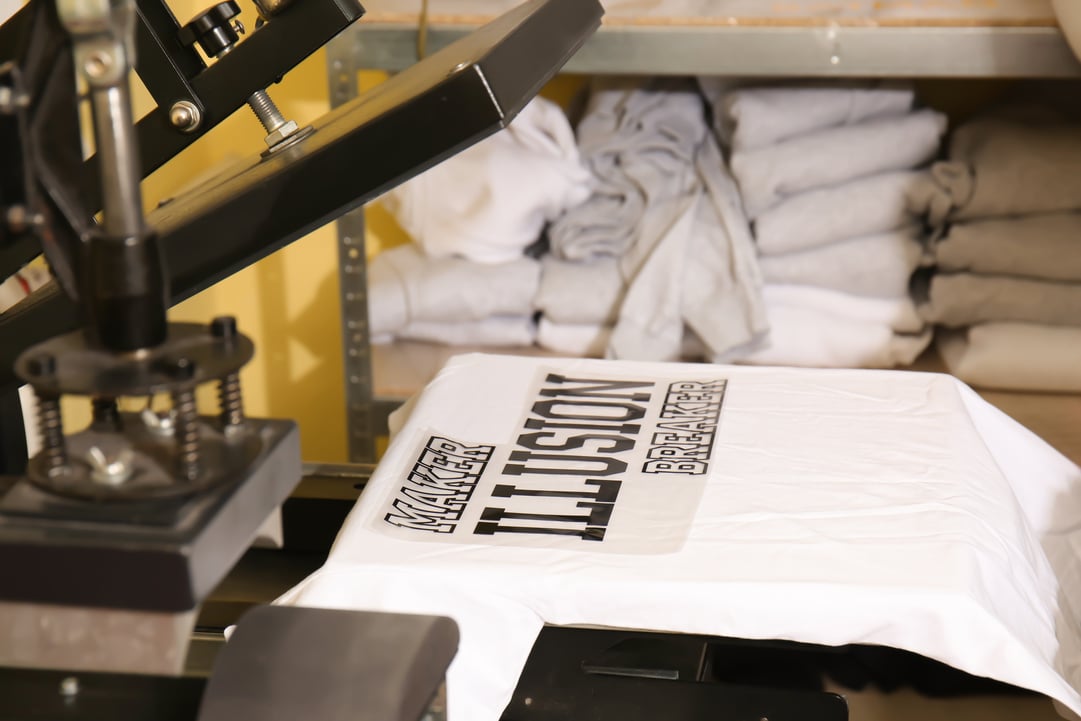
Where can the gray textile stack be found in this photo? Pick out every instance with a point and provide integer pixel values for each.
(1008, 280)
(451, 301)
(660, 256)
(834, 179)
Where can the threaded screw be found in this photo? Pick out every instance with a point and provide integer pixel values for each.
(187, 433)
(277, 127)
(51, 425)
(232, 402)
(230, 399)
(266, 110)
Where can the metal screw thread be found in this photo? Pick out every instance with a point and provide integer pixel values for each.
(267, 112)
(187, 434)
(232, 402)
(51, 425)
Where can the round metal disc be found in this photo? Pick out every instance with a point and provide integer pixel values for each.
(66, 365)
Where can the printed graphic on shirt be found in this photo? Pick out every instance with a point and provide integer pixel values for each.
(597, 463)
(683, 439)
(439, 486)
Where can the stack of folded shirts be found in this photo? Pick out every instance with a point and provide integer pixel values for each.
(491, 201)
(579, 304)
(451, 301)
(661, 252)
(1008, 280)
(831, 178)
(466, 279)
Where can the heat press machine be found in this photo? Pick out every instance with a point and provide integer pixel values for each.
(111, 538)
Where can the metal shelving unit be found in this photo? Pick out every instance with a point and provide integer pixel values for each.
(353, 278)
(808, 51)
(812, 49)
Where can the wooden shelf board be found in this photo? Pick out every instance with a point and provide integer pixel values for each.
(728, 13)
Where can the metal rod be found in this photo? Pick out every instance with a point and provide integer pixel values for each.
(114, 133)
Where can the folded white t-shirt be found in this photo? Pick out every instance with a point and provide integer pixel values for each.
(822, 506)
(491, 201)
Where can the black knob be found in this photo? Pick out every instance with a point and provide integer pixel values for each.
(224, 327)
(212, 29)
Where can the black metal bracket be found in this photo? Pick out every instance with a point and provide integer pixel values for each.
(165, 65)
(591, 675)
(172, 72)
(40, 170)
(40, 143)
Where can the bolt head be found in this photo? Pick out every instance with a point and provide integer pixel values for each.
(97, 64)
(112, 468)
(185, 116)
(159, 424)
(282, 133)
(181, 369)
(180, 116)
(69, 686)
(18, 218)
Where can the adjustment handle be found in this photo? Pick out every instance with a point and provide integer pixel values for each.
(212, 29)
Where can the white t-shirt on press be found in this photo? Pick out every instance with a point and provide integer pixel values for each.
(822, 506)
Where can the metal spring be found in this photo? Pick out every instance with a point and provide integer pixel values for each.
(51, 425)
(232, 402)
(187, 434)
